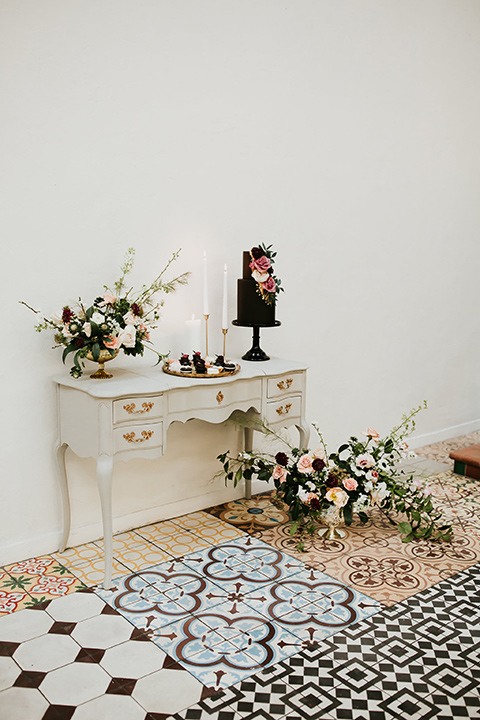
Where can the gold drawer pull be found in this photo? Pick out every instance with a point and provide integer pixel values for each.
(284, 410)
(147, 406)
(146, 435)
(219, 397)
(285, 384)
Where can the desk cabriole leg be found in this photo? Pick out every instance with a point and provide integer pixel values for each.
(62, 471)
(304, 432)
(104, 480)
(248, 445)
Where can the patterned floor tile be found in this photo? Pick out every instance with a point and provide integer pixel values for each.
(243, 564)
(86, 562)
(42, 579)
(440, 451)
(257, 513)
(12, 598)
(134, 552)
(220, 651)
(167, 592)
(312, 605)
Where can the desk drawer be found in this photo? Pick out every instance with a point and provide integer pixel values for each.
(284, 384)
(140, 409)
(284, 409)
(213, 396)
(137, 436)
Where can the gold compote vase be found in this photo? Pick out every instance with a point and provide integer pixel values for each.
(105, 355)
(331, 517)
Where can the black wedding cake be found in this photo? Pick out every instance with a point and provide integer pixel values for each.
(252, 310)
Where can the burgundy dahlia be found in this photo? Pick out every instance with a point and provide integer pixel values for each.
(67, 315)
(256, 253)
(332, 481)
(281, 459)
(79, 342)
(136, 309)
(318, 464)
(315, 503)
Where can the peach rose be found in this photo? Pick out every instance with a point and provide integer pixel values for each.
(112, 343)
(371, 433)
(279, 473)
(108, 299)
(337, 496)
(262, 264)
(350, 483)
(304, 464)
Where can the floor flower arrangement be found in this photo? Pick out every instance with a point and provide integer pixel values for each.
(362, 473)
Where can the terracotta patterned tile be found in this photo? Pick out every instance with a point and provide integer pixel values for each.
(383, 574)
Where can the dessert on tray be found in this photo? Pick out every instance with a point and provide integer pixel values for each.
(197, 366)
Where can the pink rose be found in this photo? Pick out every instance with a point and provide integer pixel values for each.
(262, 264)
(279, 473)
(112, 343)
(304, 464)
(350, 483)
(269, 285)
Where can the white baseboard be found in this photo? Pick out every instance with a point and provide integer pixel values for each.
(454, 431)
(49, 542)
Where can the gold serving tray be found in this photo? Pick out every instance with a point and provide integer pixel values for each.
(222, 373)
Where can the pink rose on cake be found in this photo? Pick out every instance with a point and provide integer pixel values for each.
(262, 264)
(269, 285)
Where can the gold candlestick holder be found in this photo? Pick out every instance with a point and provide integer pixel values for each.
(224, 331)
(206, 334)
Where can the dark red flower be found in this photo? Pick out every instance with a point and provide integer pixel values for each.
(79, 342)
(318, 464)
(136, 309)
(315, 503)
(281, 459)
(67, 315)
(256, 253)
(332, 481)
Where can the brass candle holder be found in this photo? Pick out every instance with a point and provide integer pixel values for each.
(224, 331)
(206, 334)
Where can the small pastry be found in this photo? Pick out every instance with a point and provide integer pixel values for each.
(213, 370)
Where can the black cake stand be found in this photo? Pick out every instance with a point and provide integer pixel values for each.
(255, 353)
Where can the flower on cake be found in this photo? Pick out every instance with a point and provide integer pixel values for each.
(261, 265)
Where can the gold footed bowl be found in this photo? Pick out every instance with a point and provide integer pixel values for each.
(105, 355)
(332, 517)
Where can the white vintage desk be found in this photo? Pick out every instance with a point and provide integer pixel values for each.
(128, 416)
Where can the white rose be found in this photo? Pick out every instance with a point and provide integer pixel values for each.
(97, 318)
(379, 493)
(260, 277)
(127, 337)
(131, 319)
(302, 495)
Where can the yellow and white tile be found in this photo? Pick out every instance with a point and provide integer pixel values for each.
(87, 564)
(136, 553)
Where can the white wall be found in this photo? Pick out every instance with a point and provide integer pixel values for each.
(345, 133)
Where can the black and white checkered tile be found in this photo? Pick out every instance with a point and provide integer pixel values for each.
(416, 660)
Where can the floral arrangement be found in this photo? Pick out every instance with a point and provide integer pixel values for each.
(119, 319)
(261, 265)
(361, 474)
